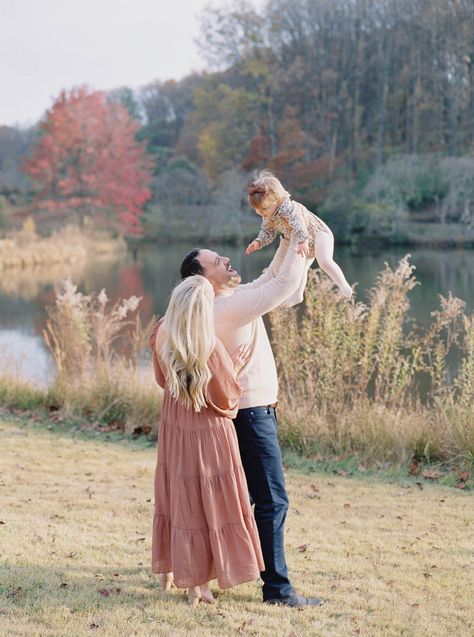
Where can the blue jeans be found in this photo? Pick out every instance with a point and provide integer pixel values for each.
(256, 429)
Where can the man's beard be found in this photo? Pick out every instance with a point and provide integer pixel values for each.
(234, 281)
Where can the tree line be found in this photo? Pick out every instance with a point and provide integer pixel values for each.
(330, 94)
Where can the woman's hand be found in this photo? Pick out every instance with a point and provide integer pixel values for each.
(252, 247)
(240, 358)
(303, 248)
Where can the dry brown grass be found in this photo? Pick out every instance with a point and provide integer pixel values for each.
(350, 373)
(76, 515)
(68, 245)
(96, 347)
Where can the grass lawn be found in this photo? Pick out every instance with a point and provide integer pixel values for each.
(75, 522)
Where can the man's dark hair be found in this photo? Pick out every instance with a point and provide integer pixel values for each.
(191, 265)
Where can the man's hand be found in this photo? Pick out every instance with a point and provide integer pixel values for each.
(252, 247)
(303, 248)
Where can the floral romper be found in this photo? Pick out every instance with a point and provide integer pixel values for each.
(291, 215)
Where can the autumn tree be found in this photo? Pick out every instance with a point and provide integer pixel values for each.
(87, 162)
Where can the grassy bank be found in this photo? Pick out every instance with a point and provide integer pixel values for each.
(357, 381)
(390, 559)
(25, 248)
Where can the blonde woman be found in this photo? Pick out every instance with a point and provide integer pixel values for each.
(272, 202)
(203, 526)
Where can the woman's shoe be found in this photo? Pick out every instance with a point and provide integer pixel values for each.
(166, 581)
(194, 595)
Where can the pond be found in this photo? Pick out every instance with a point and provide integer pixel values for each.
(153, 272)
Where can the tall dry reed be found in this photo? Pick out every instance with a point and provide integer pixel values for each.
(97, 347)
(363, 377)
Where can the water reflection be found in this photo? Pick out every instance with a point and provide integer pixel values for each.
(154, 272)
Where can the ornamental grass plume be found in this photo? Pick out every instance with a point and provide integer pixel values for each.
(364, 378)
(97, 348)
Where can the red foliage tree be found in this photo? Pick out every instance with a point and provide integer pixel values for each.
(87, 161)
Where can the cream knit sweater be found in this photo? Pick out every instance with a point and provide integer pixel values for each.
(238, 320)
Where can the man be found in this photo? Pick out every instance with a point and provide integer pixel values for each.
(238, 321)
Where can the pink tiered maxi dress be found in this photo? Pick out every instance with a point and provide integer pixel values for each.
(203, 525)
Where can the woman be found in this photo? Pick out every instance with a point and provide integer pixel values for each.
(203, 526)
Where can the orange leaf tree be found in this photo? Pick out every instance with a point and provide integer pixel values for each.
(87, 162)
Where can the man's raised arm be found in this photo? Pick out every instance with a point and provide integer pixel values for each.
(248, 303)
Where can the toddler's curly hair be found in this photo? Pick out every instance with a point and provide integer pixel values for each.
(265, 190)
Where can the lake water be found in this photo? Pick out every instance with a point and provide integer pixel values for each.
(152, 275)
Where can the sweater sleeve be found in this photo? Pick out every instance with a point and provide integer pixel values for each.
(272, 270)
(245, 305)
(223, 390)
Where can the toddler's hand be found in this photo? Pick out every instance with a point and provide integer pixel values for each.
(303, 248)
(255, 245)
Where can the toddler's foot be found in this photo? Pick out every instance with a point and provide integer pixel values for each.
(346, 291)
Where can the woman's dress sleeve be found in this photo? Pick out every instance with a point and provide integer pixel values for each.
(159, 376)
(223, 390)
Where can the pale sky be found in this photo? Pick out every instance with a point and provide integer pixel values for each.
(50, 45)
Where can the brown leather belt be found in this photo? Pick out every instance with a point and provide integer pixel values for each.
(272, 406)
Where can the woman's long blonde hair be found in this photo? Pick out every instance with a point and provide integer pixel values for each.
(189, 323)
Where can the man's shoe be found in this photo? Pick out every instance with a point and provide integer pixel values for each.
(295, 601)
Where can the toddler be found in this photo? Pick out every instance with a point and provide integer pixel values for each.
(279, 213)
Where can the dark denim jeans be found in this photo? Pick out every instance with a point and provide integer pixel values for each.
(256, 429)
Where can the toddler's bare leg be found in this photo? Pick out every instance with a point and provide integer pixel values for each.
(297, 296)
(324, 250)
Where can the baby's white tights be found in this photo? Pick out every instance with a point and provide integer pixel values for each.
(324, 250)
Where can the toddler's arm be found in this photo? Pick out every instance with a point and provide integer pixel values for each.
(267, 232)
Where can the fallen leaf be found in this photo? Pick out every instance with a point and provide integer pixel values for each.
(71, 554)
(140, 539)
(347, 505)
(414, 469)
(302, 547)
(105, 592)
(464, 476)
(243, 625)
(431, 474)
(415, 605)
